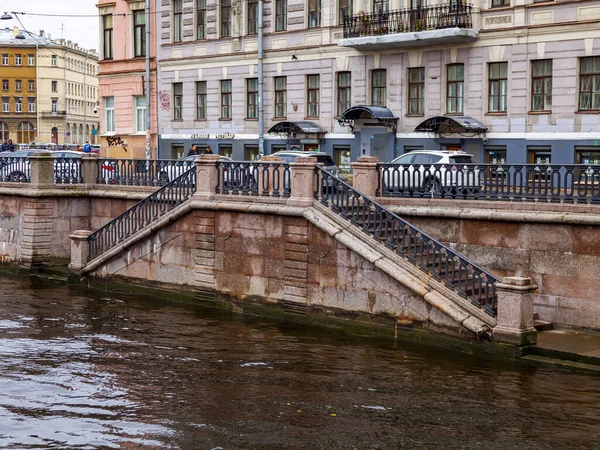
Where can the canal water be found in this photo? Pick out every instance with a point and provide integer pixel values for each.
(89, 370)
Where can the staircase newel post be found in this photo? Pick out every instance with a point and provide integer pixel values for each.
(206, 176)
(89, 168)
(303, 182)
(515, 312)
(364, 175)
(80, 252)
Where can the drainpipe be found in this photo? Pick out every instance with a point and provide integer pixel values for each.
(148, 134)
(261, 106)
(65, 96)
(87, 138)
(37, 92)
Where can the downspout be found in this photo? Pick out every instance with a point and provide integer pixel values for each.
(37, 90)
(85, 96)
(261, 106)
(148, 134)
(65, 89)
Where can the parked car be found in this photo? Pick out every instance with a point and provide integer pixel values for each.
(430, 170)
(169, 172)
(329, 164)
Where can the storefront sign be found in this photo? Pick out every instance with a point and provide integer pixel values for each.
(199, 136)
(309, 141)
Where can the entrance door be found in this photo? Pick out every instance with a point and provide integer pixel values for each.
(379, 146)
(55, 135)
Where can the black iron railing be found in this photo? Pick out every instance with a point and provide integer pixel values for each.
(525, 182)
(143, 214)
(15, 169)
(455, 271)
(141, 172)
(457, 15)
(67, 171)
(256, 178)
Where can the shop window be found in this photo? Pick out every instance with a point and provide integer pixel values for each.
(251, 153)
(539, 155)
(342, 158)
(177, 151)
(587, 155)
(495, 155)
(226, 150)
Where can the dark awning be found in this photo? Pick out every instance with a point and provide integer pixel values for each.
(450, 125)
(293, 128)
(367, 112)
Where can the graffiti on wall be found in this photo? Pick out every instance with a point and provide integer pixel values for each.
(165, 101)
(116, 141)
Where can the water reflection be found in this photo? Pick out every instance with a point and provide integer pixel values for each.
(86, 371)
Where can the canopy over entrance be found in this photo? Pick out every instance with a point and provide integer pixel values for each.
(292, 129)
(382, 116)
(442, 125)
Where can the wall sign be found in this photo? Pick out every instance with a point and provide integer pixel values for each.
(199, 136)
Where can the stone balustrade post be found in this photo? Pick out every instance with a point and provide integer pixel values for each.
(206, 176)
(41, 170)
(515, 312)
(80, 251)
(303, 181)
(89, 168)
(270, 170)
(365, 175)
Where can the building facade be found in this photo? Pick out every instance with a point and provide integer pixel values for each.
(122, 79)
(507, 80)
(18, 117)
(68, 92)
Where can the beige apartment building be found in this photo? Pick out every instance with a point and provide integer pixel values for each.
(507, 80)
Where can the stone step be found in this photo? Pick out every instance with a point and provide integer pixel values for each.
(542, 325)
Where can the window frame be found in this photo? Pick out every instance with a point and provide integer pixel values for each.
(5, 85)
(177, 101)
(252, 22)
(109, 114)
(200, 20)
(5, 104)
(381, 6)
(378, 89)
(417, 87)
(18, 59)
(18, 85)
(314, 13)
(177, 20)
(140, 128)
(107, 36)
(315, 91)
(30, 104)
(30, 85)
(457, 83)
(281, 15)
(5, 60)
(225, 19)
(500, 3)
(591, 91)
(139, 34)
(201, 94)
(18, 104)
(500, 79)
(31, 60)
(543, 79)
(344, 7)
(251, 98)
(280, 97)
(344, 92)
(54, 61)
(226, 91)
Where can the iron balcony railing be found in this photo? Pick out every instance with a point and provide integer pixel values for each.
(143, 214)
(140, 172)
(524, 182)
(455, 15)
(458, 273)
(255, 178)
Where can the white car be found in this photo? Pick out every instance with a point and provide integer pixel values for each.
(430, 171)
(168, 171)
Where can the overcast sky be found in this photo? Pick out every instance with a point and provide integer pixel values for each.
(82, 30)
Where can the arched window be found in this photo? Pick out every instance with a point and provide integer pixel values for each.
(3, 131)
(74, 134)
(80, 133)
(67, 130)
(87, 133)
(93, 138)
(25, 133)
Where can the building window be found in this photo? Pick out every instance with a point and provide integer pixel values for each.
(225, 18)
(312, 95)
(53, 59)
(107, 31)
(31, 85)
(498, 85)
(5, 59)
(539, 155)
(5, 104)
(5, 85)
(177, 101)
(18, 60)
(200, 19)
(31, 105)
(225, 150)
(31, 60)
(280, 97)
(541, 85)
(18, 104)
(139, 33)
(378, 87)
(500, 3)
(225, 99)
(54, 105)
(54, 86)
(3, 131)
(18, 85)
(252, 16)
(109, 108)
(416, 90)
(381, 6)
(587, 155)
(280, 15)
(25, 132)
(341, 155)
(495, 154)
(201, 100)
(177, 151)
(252, 98)
(455, 88)
(344, 91)
(251, 153)
(140, 113)
(345, 10)
(589, 83)
(177, 24)
(314, 13)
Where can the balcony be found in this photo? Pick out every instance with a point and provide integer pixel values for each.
(409, 28)
(49, 114)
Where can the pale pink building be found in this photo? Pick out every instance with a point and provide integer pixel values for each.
(122, 79)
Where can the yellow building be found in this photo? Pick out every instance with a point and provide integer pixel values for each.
(18, 89)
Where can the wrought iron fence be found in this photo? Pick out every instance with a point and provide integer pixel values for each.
(256, 178)
(434, 17)
(141, 172)
(143, 214)
(518, 182)
(15, 169)
(445, 265)
(67, 171)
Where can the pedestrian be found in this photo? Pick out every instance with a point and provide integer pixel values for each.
(11, 146)
(5, 146)
(87, 148)
(208, 150)
(192, 151)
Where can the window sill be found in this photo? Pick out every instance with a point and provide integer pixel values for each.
(495, 113)
(176, 120)
(311, 117)
(251, 119)
(588, 111)
(225, 119)
(200, 120)
(414, 115)
(279, 119)
(539, 113)
(454, 114)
